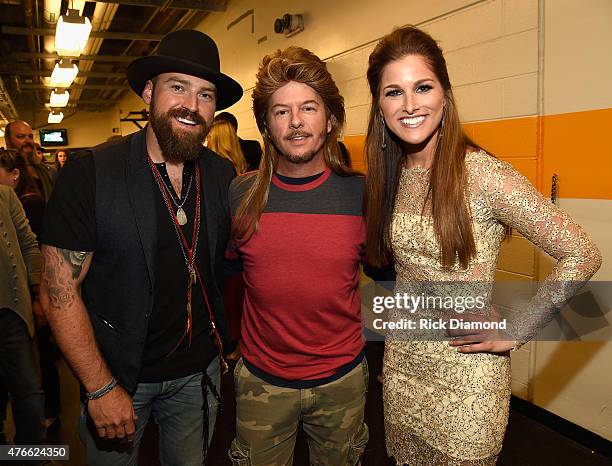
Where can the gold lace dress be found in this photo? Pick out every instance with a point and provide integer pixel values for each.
(447, 408)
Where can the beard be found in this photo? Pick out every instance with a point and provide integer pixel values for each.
(300, 158)
(28, 152)
(178, 146)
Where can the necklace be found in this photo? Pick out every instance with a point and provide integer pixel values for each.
(181, 216)
(189, 252)
(189, 256)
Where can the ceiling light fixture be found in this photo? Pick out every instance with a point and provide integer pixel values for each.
(55, 117)
(71, 34)
(63, 74)
(59, 98)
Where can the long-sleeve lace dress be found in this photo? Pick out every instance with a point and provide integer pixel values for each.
(445, 407)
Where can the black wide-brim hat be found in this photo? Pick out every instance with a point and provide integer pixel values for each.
(188, 52)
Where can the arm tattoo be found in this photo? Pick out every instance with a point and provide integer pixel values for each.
(75, 260)
(61, 288)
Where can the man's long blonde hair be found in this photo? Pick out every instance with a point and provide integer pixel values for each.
(277, 69)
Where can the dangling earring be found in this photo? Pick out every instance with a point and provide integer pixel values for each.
(383, 146)
(442, 121)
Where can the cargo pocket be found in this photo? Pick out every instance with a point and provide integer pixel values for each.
(358, 444)
(239, 455)
(366, 373)
(237, 369)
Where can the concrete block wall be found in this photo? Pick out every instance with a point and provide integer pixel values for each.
(532, 82)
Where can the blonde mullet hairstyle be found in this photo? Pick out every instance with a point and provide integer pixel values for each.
(277, 69)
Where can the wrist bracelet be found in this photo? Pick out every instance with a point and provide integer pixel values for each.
(516, 347)
(102, 391)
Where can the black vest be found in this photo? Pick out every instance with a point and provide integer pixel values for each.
(118, 290)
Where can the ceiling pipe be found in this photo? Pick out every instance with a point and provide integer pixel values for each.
(51, 14)
(100, 21)
(55, 57)
(29, 16)
(30, 31)
(28, 13)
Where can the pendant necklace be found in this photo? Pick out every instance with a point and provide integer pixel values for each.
(181, 216)
(189, 252)
(189, 256)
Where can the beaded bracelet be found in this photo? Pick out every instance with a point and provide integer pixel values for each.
(102, 391)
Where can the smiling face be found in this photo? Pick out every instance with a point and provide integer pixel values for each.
(411, 101)
(181, 112)
(298, 125)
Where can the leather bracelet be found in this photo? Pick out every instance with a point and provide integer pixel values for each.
(102, 391)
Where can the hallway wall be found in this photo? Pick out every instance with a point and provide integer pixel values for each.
(527, 74)
(532, 82)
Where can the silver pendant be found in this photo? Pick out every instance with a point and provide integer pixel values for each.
(181, 217)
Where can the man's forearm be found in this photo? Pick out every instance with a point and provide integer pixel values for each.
(60, 296)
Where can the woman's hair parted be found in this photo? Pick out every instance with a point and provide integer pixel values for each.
(58, 165)
(223, 140)
(276, 70)
(448, 177)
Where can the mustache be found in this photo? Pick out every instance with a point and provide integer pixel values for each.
(296, 134)
(188, 114)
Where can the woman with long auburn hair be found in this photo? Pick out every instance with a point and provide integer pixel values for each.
(439, 206)
(60, 159)
(223, 140)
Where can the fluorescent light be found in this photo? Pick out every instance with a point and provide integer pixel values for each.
(55, 117)
(59, 98)
(63, 74)
(71, 34)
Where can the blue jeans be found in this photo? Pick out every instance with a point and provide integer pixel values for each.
(176, 406)
(20, 375)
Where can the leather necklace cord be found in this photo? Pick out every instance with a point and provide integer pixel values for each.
(191, 265)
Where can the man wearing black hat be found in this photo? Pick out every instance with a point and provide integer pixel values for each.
(133, 244)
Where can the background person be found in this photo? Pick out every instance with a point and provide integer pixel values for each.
(60, 159)
(19, 136)
(13, 173)
(440, 206)
(223, 140)
(19, 287)
(250, 148)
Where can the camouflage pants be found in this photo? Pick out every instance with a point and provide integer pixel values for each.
(268, 417)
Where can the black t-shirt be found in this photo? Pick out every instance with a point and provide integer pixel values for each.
(70, 223)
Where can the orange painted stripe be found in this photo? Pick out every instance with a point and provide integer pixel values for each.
(512, 139)
(578, 148)
(575, 146)
(355, 146)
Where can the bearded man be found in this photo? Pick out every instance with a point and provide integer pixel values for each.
(133, 244)
(19, 136)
